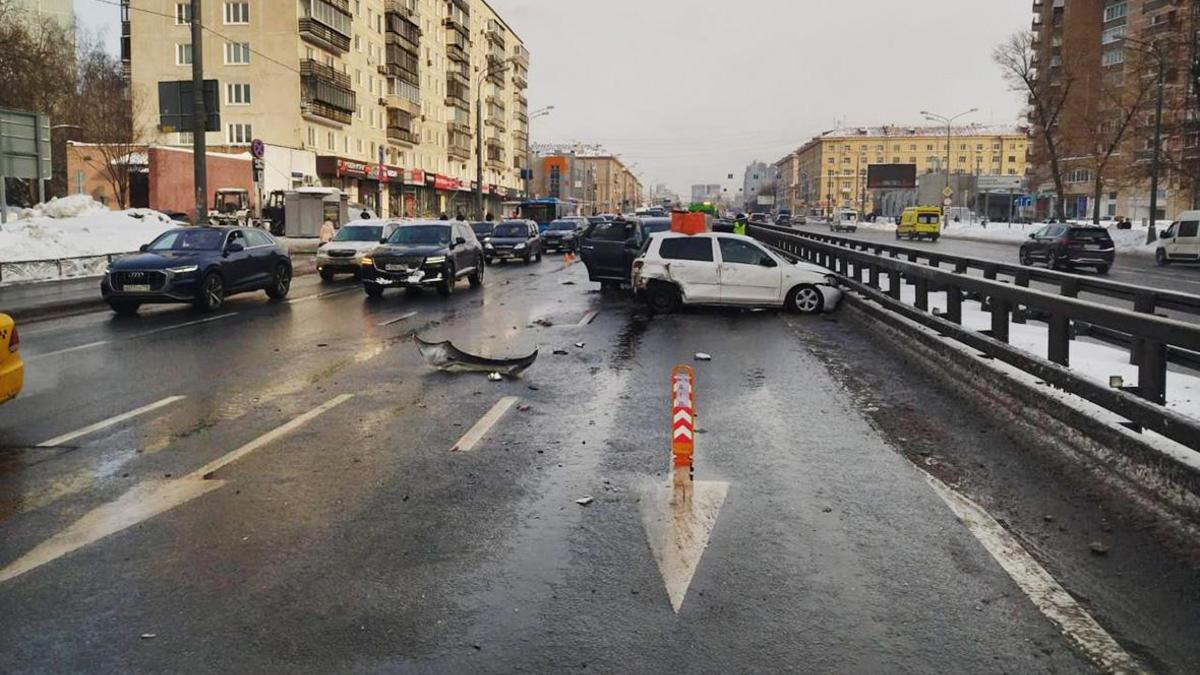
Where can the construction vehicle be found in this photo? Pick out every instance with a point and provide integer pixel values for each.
(231, 207)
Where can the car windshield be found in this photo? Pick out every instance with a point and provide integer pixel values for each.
(482, 229)
(511, 230)
(189, 240)
(421, 234)
(562, 226)
(359, 233)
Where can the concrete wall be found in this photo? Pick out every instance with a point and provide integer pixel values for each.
(280, 165)
(85, 174)
(171, 186)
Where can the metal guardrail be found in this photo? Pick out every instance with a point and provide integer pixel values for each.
(84, 265)
(1153, 335)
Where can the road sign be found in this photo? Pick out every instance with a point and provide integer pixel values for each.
(947, 202)
(24, 150)
(257, 148)
(988, 183)
(948, 192)
(257, 165)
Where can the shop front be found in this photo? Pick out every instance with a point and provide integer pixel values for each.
(365, 183)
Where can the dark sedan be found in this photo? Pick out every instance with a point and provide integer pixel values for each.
(514, 240)
(561, 235)
(424, 254)
(1067, 246)
(200, 265)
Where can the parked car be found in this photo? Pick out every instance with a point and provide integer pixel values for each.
(483, 230)
(424, 253)
(1066, 246)
(609, 248)
(561, 235)
(344, 254)
(920, 221)
(12, 370)
(728, 269)
(514, 240)
(200, 265)
(1180, 241)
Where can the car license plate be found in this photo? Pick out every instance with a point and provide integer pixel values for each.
(396, 268)
(137, 288)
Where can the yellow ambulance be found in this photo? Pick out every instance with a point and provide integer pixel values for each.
(920, 222)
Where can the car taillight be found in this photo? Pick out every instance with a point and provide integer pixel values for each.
(637, 265)
(15, 341)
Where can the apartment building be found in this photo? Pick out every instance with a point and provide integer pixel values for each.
(756, 176)
(598, 183)
(830, 171)
(1100, 48)
(62, 11)
(381, 92)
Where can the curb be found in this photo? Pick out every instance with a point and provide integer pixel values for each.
(304, 266)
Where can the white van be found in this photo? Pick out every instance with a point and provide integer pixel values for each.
(1180, 241)
(844, 220)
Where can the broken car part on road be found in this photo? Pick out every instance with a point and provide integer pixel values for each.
(446, 357)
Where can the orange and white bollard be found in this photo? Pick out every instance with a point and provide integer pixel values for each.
(683, 433)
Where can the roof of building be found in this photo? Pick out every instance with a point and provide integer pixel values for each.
(901, 131)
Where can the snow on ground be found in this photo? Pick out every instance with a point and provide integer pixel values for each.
(72, 227)
(1126, 241)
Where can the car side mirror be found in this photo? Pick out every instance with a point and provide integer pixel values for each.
(144, 247)
(383, 241)
(234, 248)
(460, 241)
(767, 261)
(1033, 236)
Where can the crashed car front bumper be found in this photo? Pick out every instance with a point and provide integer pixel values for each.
(414, 279)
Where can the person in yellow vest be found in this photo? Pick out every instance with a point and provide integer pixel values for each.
(739, 224)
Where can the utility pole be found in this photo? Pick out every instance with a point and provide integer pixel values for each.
(1151, 235)
(199, 118)
(949, 121)
(479, 151)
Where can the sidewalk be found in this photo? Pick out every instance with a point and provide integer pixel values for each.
(65, 297)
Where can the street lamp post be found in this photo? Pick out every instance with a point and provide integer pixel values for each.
(948, 121)
(1154, 49)
(541, 112)
(497, 67)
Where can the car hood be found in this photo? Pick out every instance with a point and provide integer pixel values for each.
(163, 260)
(807, 272)
(507, 241)
(424, 250)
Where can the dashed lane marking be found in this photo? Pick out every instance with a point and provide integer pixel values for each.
(112, 421)
(398, 319)
(589, 317)
(1046, 593)
(148, 499)
(135, 336)
(485, 424)
(319, 296)
(68, 350)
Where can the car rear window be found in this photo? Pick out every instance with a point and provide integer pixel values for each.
(609, 231)
(1090, 234)
(511, 230)
(928, 218)
(686, 248)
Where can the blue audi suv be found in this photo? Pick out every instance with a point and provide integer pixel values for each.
(199, 265)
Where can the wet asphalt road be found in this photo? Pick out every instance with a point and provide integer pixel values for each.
(357, 541)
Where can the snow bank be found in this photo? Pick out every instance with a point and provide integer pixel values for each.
(1126, 241)
(83, 227)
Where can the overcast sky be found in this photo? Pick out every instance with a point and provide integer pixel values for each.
(693, 90)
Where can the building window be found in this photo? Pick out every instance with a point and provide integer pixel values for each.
(1113, 34)
(183, 138)
(237, 53)
(237, 13)
(183, 54)
(1113, 57)
(1012, 158)
(183, 13)
(312, 137)
(962, 160)
(1079, 176)
(237, 94)
(1117, 11)
(239, 134)
(329, 141)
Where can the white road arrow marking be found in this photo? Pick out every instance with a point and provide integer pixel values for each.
(679, 533)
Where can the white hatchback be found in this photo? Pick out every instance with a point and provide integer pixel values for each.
(343, 255)
(728, 269)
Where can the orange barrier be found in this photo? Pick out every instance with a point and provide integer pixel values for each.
(688, 223)
(683, 430)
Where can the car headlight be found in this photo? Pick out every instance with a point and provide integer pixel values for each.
(435, 260)
(518, 247)
(186, 269)
(487, 245)
(367, 261)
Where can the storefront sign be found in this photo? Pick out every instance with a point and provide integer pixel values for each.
(414, 177)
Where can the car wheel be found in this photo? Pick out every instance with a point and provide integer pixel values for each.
(806, 299)
(539, 256)
(446, 288)
(527, 259)
(1160, 257)
(212, 293)
(326, 275)
(1102, 269)
(897, 235)
(281, 282)
(1025, 258)
(488, 261)
(372, 290)
(476, 277)
(663, 298)
(122, 308)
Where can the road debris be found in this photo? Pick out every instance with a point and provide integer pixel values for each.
(495, 377)
(545, 323)
(701, 356)
(579, 345)
(149, 636)
(1099, 548)
(584, 501)
(446, 357)
(561, 352)
(524, 407)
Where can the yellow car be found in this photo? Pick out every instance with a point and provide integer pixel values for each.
(920, 221)
(12, 371)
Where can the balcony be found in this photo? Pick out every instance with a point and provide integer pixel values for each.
(454, 75)
(406, 97)
(321, 35)
(316, 69)
(401, 135)
(519, 80)
(457, 53)
(405, 8)
(497, 122)
(410, 40)
(520, 136)
(521, 56)
(459, 151)
(456, 100)
(495, 33)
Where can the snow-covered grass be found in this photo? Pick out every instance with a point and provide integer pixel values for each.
(1126, 241)
(77, 226)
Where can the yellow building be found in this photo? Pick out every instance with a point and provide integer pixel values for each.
(380, 95)
(830, 171)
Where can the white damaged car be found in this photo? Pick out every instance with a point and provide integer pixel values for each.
(344, 254)
(727, 269)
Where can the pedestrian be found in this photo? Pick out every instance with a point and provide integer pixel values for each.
(443, 216)
(739, 224)
(326, 231)
(366, 215)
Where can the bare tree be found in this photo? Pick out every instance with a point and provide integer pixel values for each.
(107, 122)
(1120, 101)
(1047, 97)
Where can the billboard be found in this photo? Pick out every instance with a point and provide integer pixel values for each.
(891, 176)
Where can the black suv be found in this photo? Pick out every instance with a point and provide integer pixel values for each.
(425, 253)
(514, 240)
(1066, 246)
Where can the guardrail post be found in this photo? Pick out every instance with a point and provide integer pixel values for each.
(954, 304)
(922, 294)
(873, 275)
(989, 272)
(1069, 287)
(1143, 303)
(1018, 310)
(999, 319)
(912, 257)
(960, 267)
(1058, 349)
(1152, 372)
(894, 284)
